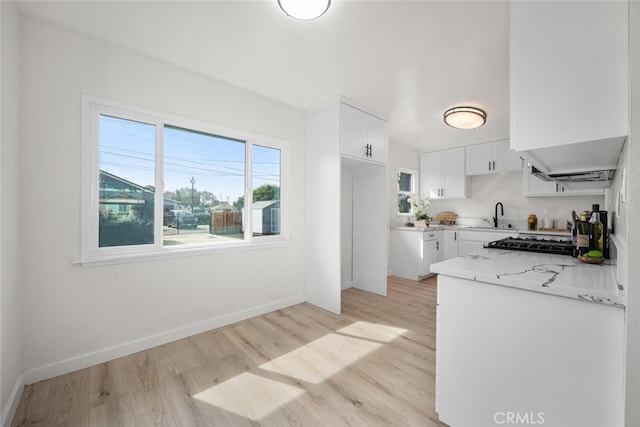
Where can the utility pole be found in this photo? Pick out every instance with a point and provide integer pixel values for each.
(193, 181)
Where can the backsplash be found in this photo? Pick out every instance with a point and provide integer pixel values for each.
(487, 190)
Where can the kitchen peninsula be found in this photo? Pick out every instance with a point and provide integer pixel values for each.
(543, 332)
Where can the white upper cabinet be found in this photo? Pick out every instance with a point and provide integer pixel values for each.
(443, 174)
(569, 72)
(492, 157)
(363, 136)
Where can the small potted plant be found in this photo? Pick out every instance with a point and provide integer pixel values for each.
(419, 209)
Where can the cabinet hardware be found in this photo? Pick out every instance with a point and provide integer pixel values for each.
(494, 165)
(489, 164)
(455, 236)
(437, 246)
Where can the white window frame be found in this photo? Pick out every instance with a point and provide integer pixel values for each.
(414, 193)
(92, 254)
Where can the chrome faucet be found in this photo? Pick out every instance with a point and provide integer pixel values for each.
(495, 218)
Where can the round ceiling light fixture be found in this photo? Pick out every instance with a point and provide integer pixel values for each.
(465, 117)
(304, 9)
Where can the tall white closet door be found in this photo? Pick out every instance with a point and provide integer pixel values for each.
(370, 230)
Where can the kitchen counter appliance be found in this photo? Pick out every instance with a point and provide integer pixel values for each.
(533, 244)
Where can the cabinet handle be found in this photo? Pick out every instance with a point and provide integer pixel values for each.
(489, 164)
(556, 187)
(494, 165)
(437, 246)
(455, 236)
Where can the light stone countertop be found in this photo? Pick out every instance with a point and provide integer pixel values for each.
(551, 274)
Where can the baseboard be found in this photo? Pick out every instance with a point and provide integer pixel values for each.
(9, 410)
(90, 359)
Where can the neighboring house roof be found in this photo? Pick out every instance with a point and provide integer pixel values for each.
(104, 175)
(264, 204)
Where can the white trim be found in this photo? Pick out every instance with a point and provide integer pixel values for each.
(91, 254)
(90, 359)
(10, 408)
(264, 242)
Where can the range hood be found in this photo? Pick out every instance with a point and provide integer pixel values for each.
(589, 164)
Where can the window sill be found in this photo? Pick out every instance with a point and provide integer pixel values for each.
(168, 253)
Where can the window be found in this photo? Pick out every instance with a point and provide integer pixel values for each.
(406, 189)
(158, 184)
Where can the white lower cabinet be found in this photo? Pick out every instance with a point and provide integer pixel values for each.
(448, 245)
(502, 351)
(412, 251)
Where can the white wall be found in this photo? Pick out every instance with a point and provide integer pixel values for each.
(10, 296)
(76, 315)
(632, 408)
(487, 190)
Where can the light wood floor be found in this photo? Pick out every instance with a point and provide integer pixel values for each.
(371, 366)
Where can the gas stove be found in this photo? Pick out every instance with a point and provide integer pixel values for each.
(548, 246)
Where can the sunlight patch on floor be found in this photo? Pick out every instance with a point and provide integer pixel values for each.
(372, 331)
(254, 397)
(250, 395)
(322, 358)
(326, 356)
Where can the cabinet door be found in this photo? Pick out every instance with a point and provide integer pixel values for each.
(440, 246)
(506, 159)
(449, 247)
(479, 159)
(370, 229)
(534, 186)
(454, 177)
(377, 138)
(353, 131)
(429, 256)
(430, 175)
(567, 191)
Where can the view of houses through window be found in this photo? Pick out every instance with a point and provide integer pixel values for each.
(406, 190)
(204, 180)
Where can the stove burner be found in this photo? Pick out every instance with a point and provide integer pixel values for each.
(548, 246)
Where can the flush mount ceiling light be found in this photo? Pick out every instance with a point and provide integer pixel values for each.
(465, 117)
(304, 9)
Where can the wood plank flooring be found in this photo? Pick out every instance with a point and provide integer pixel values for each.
(374, 365)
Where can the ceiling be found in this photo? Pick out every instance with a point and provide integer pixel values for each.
(406, 60)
